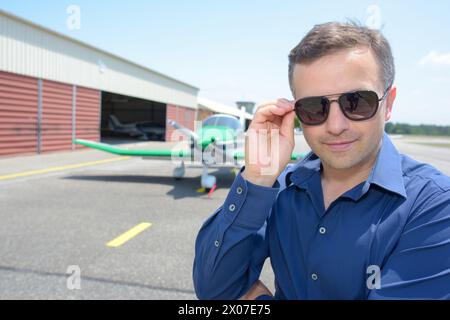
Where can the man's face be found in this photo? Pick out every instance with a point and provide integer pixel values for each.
(343, 71)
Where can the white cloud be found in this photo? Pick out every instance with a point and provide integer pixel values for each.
(436, 58)
(417, 92)
(441, 79)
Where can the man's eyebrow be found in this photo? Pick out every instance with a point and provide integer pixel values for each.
(360, 89)
(334, 94)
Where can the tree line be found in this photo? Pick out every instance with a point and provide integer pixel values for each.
(405, 128)
(421, 129)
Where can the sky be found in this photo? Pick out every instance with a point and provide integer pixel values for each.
(237, 50)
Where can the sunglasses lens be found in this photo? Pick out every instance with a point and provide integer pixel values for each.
(360, 105)
(312, 110)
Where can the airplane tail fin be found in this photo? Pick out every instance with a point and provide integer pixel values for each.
(242, 117)
(114, 122)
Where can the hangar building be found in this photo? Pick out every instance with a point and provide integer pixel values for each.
(54, 89)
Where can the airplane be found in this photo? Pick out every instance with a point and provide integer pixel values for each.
(140, 130)
(217, 143)
(131, 129)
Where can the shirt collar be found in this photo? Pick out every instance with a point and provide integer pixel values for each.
(386, 173)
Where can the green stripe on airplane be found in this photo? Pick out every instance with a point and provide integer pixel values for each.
(157, 153)
(141, 153)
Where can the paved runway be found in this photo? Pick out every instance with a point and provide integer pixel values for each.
(66, 216)
(432, 150)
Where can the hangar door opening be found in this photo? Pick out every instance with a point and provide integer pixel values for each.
(131, 118)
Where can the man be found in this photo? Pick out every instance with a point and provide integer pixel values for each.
(354, 219)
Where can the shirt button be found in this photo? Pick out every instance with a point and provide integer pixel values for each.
(322, 230)
(314, 276)
(239, 190)
(232, 207)
(217, 243)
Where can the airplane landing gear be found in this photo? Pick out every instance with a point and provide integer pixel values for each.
(179, 171)
(207, 181)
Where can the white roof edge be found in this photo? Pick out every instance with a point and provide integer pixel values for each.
(91, 47)
(221, 108)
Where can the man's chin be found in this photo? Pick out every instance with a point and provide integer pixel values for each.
(340, 161)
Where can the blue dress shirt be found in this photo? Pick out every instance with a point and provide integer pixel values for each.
(386, 238)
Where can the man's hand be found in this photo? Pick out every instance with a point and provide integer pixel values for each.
(269, 142)
(258, 289)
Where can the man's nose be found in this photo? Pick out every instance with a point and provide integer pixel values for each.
(336, 122)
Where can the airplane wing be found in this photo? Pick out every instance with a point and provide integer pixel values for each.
(137, 153)
(238, 155)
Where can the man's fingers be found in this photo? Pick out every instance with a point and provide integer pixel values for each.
(265, 112)
(283, 103)
(258, 289)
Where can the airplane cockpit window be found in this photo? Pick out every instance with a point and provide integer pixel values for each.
(211, 121)
(229, 122)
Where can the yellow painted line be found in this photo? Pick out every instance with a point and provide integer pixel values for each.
(201, 190)
(62, 168)
(124, 237)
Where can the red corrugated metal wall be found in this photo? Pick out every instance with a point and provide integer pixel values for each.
(18, 114)
(171, 114)
(87, 114)
(56, 123)
(182, 115)
(19, 108)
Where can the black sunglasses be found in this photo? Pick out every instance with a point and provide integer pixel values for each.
(357, 106)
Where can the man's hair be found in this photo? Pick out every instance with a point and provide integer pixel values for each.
(328, 38)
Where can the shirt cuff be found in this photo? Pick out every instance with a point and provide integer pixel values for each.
(247, 204)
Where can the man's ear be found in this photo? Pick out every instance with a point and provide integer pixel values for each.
(390, 102)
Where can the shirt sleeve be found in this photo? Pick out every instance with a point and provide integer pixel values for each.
(419, 266)
(231, 246)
